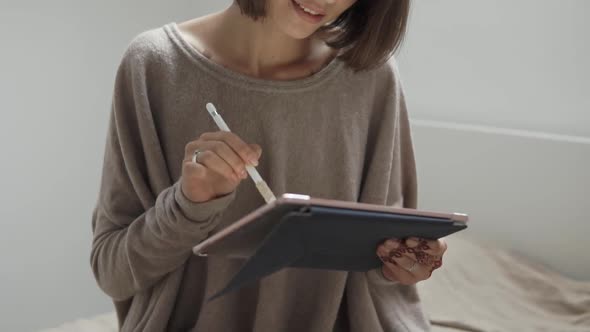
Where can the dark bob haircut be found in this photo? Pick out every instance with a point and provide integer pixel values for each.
(367, 34)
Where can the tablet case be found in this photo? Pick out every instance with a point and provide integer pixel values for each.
(320, 237)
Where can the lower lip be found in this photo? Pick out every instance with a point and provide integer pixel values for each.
(315, 19)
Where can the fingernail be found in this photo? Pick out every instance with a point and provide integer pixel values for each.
(412, 241)
(253, 158)
(392, 244)
(382, 251)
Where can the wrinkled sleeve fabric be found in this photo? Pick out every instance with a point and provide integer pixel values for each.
(143, 225)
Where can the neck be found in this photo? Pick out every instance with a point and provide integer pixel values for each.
(258, 47)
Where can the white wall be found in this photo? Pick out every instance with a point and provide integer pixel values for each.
(519, 64)
(522, 191)
(499, 94)
(508, 63)
(57, 65)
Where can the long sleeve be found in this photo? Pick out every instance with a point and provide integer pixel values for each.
(389, 178)
(143, 225)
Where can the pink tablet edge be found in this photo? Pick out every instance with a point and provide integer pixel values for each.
(307, 200)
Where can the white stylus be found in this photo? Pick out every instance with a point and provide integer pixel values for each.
(260, 184)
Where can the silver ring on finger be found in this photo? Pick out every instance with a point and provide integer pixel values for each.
(196, 156)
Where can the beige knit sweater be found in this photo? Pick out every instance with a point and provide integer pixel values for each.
(336, 134)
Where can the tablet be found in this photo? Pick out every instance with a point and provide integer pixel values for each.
(241, 238)
(304, 232)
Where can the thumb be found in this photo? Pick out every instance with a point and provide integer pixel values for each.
(256, 149)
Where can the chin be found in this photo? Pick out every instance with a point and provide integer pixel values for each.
(296, 30)
(298, 33)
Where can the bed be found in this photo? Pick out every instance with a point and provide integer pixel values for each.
(479, 288)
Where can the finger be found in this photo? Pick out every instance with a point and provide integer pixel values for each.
(228, 155)
(418, 271)
(190, 149)
(396, 273)
(415, 242)
(383, 253)
(215, 163)
(403, 249)
(439, 247)
(243, 150)
(424, 258)
(256, 149)
(402, 260)
(432, 247)
(412, 254)
(412, 242)
(435, 247)
(437, 263)
(433, 263)
(387, 247)
(391, 244)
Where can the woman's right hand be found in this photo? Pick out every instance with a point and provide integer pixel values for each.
(220, 167)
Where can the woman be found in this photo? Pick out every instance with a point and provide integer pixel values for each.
(313, 103)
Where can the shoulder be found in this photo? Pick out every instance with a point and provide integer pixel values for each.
(385, 75)
(388, 73)
(148, 47)
(381, 83)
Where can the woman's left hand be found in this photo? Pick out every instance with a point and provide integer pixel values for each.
(412, 260)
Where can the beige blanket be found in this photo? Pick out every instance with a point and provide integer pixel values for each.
(479, 288)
